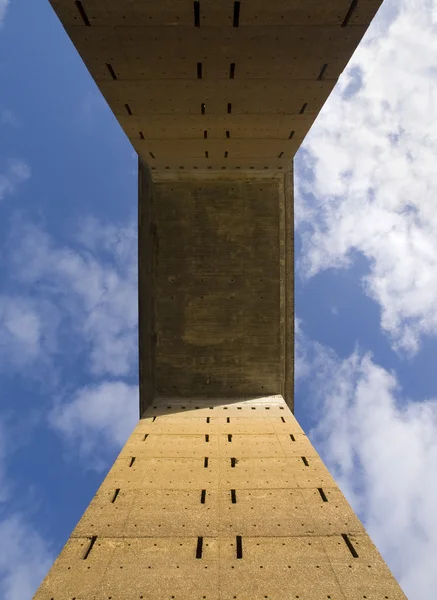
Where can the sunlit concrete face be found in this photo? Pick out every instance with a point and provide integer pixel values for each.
(217, 494)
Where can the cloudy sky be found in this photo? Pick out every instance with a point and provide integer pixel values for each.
(366, 289)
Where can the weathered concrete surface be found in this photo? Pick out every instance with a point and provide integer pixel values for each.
(299, 536)
(235, 88)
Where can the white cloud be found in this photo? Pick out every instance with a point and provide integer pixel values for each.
(382, 450)
(8, 117)
(366, 180)
(17, 171)
(97, 419)
(24, 558)
(93, 284)
(3, 6)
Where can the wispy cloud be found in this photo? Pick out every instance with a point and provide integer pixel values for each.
(366, 178)
(3, 7)
(96, 419)
(382, 449)
(93, 284)
(16, 172)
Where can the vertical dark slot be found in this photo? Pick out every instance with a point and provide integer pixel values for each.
(305, 462)
(205, 462)
(199, 547)
(322, 495)
(132, 460)
(90, 547)
(154, 419)
(234, 497)
(280, 155)
(111, 71)
(282, 419)
(196, 7)
(145, 436)
(239, 547)
(232, 71)
(291, 135)
(236, 21)
(233, 462)
(208, 419)
(205, 135)
(141, 135)
(82, 13)
(322, 72)
(228, 419)
(127, 107)
(349, 545)
(114, 497)
(349, 13)
(203, 108)
(228, 134)
(199, 70)
(226, 154)
(229, 437)
(292, 437)
(303, 109)
(206, 154)
(153, 156)
(202, 497)
(206, 437)
(229, 108)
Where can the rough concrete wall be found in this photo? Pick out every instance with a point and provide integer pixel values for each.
(218, 286)
(219, 502)
(146, 286)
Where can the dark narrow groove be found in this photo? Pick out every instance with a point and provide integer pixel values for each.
(205, 135)
(206, 154)
(111, 71)
(291, 135)
(114, 497)
(349, 13)
(239, 547)
(280, 155)
(196, 8)
(199, 70)
(132, 460)
(228, 419)
(127, 107)
(141, 135)
(292, 437)
(205, 462)
(305, 462)
(232, 71)
(154, 419)
(202, 497)
(226, 154)
(145, 436)
(208, 419)
(82, 13)
(206, 437)
(322, 495)
(303, 109)
(152, 156)
(228, 134)
(229, 437)
(349, 545)
(233, 462)
(234, 497)
(322, 72)
(229, 108)
(90, 547)
(199, 547)
(236, 20)
(282, 419)
(203, 108)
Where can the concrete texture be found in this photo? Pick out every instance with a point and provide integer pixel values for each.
(218, 493)
(299, 537)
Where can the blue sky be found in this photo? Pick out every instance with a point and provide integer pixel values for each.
(366, 284)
